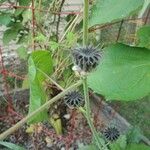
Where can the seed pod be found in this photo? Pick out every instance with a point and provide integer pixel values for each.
(111, 133)
(74, 99)
(86, 58)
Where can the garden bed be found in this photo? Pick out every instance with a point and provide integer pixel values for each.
(76, 130)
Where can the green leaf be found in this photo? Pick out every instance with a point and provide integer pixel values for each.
(25, 39)
(106, 11)
(40, 38)
(54, 45)
(5, 19)
(22, 52)
(120, 144)
(43, 61)
(11, 146)
(134, 135)
(71, 39)
(11, 33)
(27, 15)
(25, 84)
(143, 35)
(31, 69)
(22, 3)
(137, 147)
(37, 98)
(123, 74)
(39, 60)
(2, 1)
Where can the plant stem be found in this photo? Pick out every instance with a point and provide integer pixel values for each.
(40, 2)
(88, 113)
(49, 78)
(85, 22)
(86, 96)
(40, 109)
(58, 21)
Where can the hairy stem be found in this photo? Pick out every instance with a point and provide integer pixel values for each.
(40, 109)
(85, 22)
(88, 113)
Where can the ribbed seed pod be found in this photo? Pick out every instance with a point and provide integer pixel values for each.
(87, 58)
(74, 99)
(111, 133)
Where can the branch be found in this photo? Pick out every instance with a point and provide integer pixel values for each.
(85, 22)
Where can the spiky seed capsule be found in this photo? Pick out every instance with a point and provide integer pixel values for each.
(87, 58)
(74, 99)
(111, 133)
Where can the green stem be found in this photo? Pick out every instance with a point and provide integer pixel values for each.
(88, 113)
(40, 109)
(85, 22)
(40, 2)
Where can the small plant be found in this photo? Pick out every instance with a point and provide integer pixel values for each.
(118, 71)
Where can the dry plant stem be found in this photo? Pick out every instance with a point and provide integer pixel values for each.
(69, 28)
(77, 22)
(72, 25)
(146, 18)
(58, 21)
(33, 25)
(50, 79)
(61, 65)
(40, 109)
(40, 2)
(85, 22)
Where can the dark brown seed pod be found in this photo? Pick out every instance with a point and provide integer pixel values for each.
(111, 133)
(87, 58)
(74, 99)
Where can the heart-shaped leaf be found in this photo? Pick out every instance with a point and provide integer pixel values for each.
(123, 74)
(106, 11)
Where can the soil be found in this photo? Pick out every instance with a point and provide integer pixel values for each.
(42, 136)
(75, 129)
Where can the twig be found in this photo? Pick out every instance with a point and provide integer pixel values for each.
(33, 25)
(119, 31)
(5, 80)
(58, 22)
(69, 28)
(146, 18)
(51, 79)
(85, 22)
